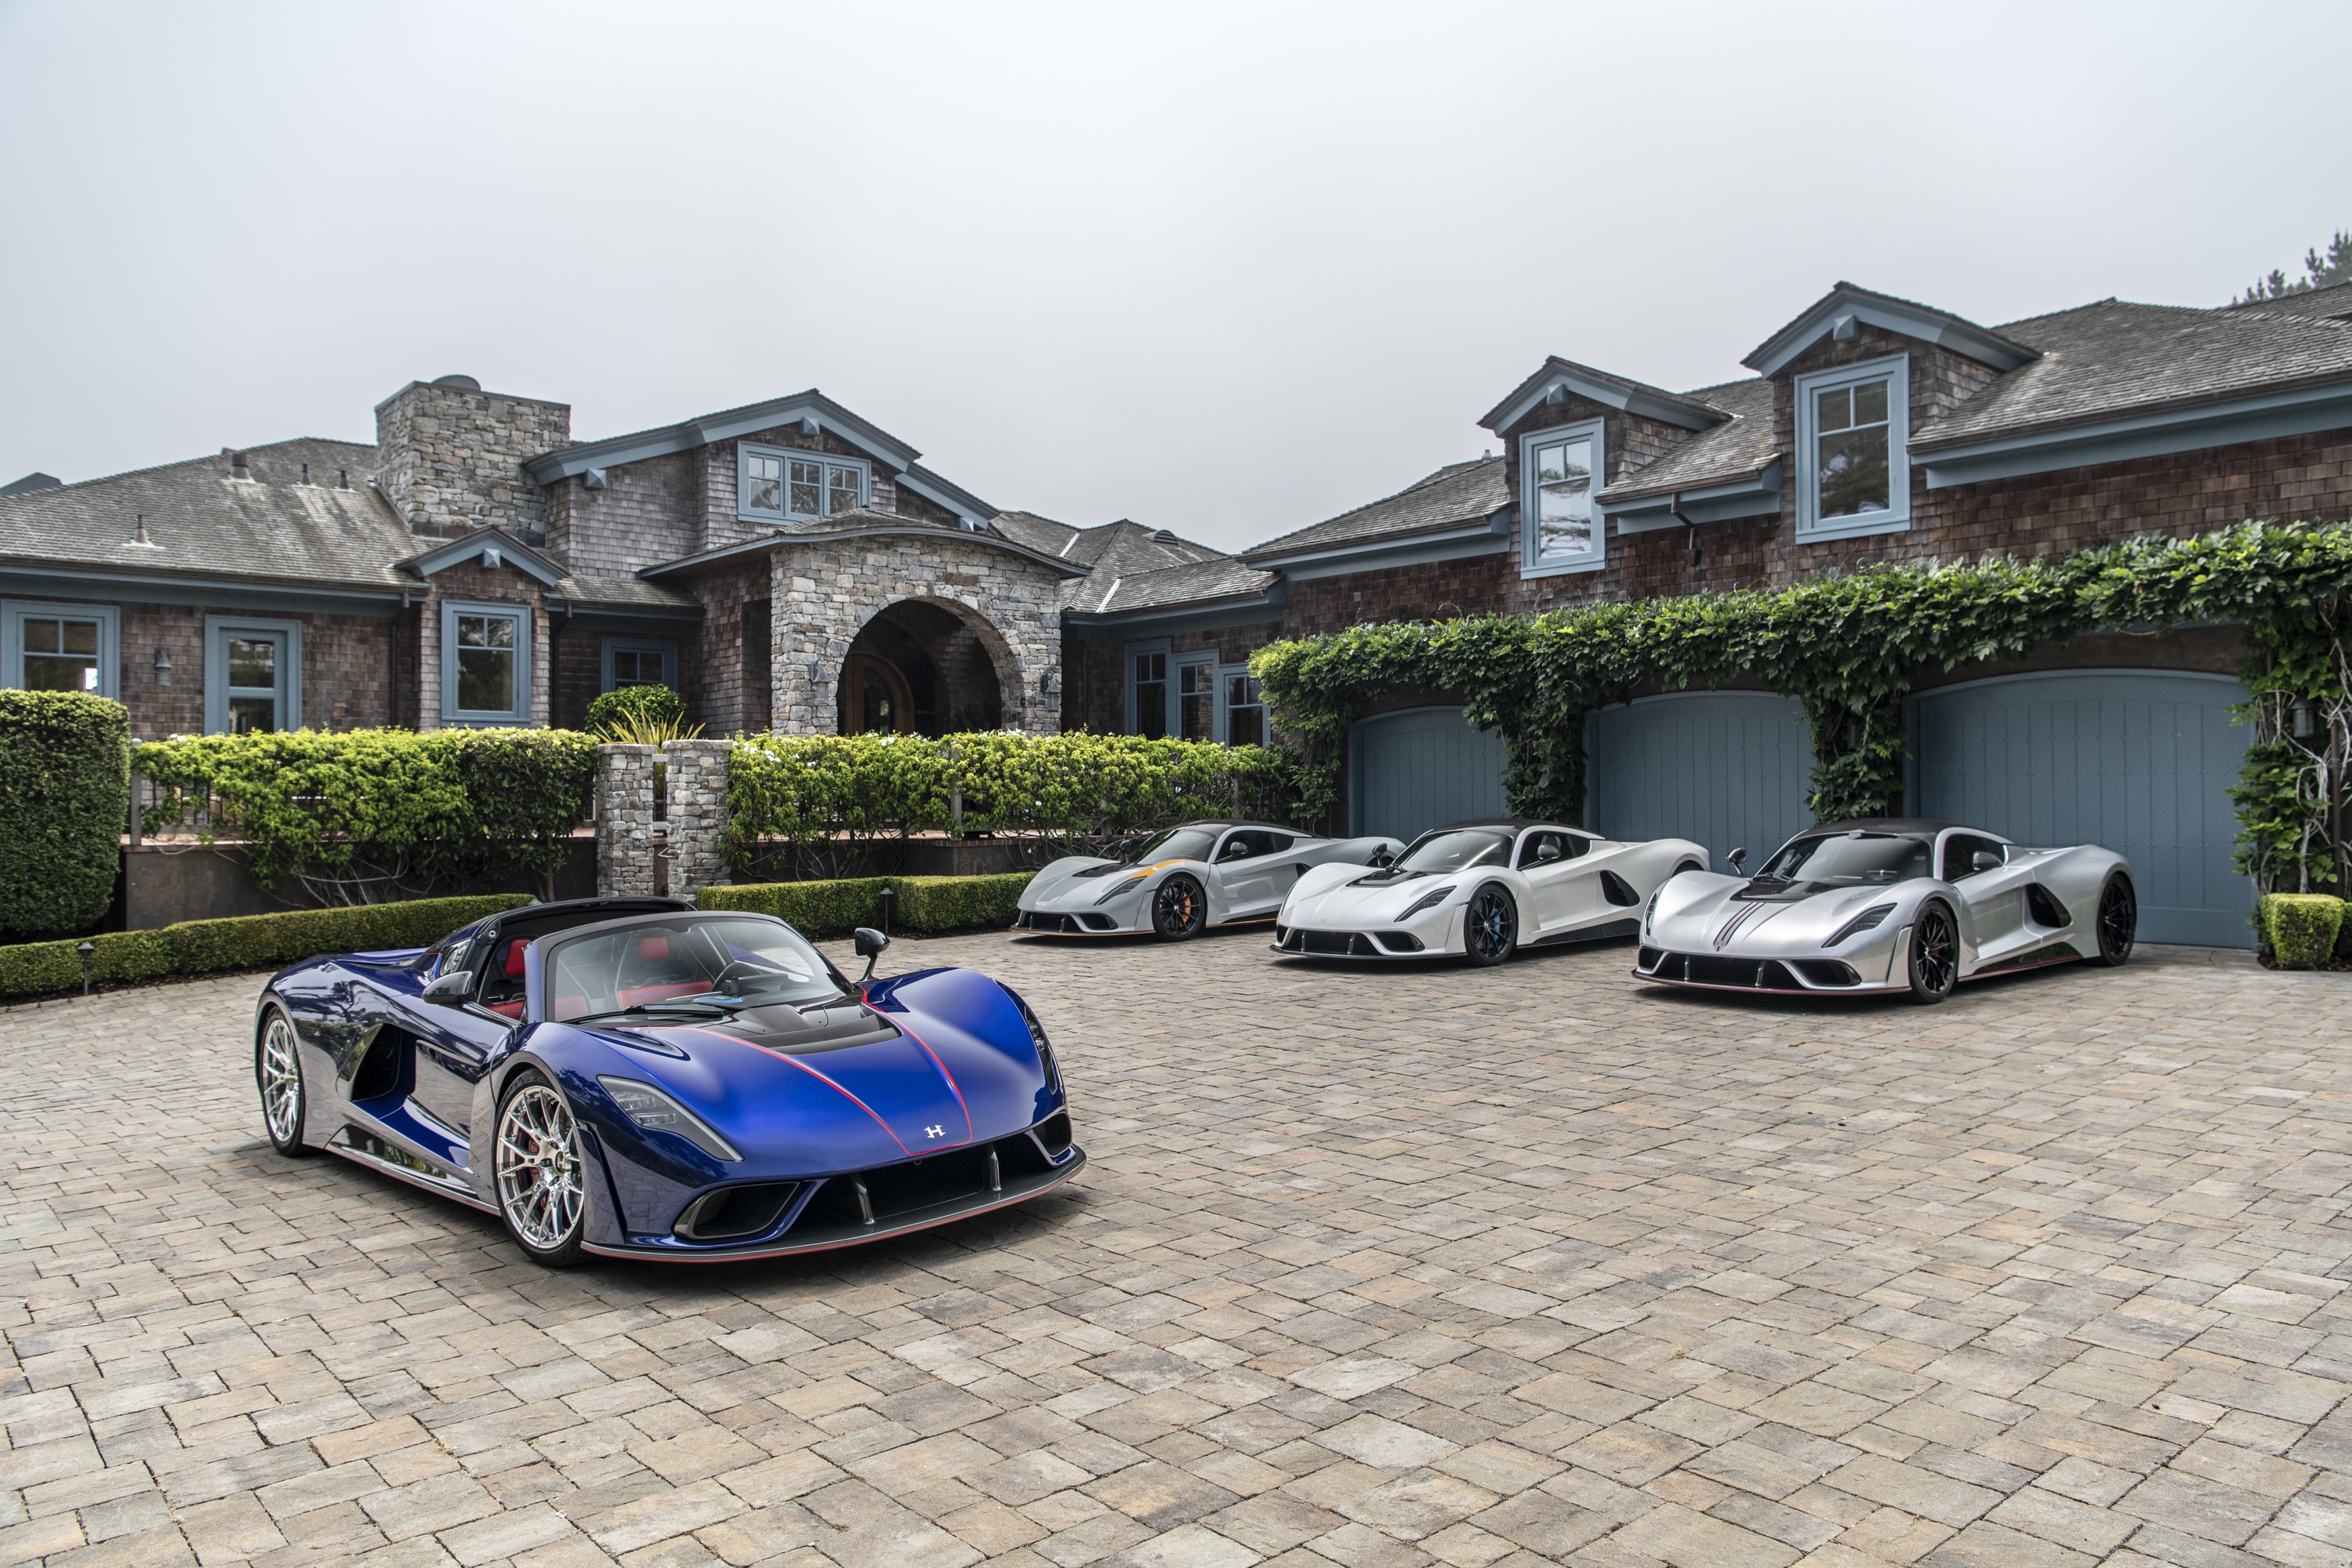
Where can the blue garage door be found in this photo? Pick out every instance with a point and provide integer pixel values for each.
(2139, 760)
(1422, 768)
(1725, 769)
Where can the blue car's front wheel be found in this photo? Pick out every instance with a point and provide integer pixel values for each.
(277, 1074)
(541, 1177)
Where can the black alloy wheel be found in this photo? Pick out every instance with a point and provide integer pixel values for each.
(1935, 954)
(277, 1074)
(1490, 925)
(1180, 910)
(2119, 921)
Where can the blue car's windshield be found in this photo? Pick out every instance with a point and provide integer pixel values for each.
(1848, 859)
(716, 963)
(1459, 850)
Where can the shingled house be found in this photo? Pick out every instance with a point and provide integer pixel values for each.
(791, 565)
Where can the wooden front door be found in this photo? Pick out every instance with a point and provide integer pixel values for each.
(874, 696)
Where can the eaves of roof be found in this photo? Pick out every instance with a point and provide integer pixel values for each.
(565, 462)
(488, 541)
(782, 540)
(1888, 314)
(1610, 391)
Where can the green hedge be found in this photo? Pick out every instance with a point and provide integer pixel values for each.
(822, 795)
(358, 813)
(2301, 929)
(925, 904)
(65, 795)
(246, 941)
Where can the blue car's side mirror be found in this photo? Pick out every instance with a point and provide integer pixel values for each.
(869, 944)
(451, 990)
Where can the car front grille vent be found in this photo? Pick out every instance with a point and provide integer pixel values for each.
(732, 1213)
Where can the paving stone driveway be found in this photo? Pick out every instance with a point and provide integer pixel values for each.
(1369, 1269)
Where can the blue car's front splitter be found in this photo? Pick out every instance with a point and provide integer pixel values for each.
(804, 1236)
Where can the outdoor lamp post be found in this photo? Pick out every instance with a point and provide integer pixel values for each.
(84, 948)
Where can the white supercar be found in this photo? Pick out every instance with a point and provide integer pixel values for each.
(1480, 890)
(1183, 879)
(1890, 905)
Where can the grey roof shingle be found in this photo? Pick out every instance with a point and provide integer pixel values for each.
(1190, 583)
(200, 522)
(1041, 534)
(2113, 358)
(1121, 550)
(1456, 494)
(2331, 303)
(1741, 445)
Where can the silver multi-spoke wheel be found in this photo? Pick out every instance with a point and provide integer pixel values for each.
(539, 1172)
(278, 1071)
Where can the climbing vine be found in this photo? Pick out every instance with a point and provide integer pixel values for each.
(1851, 647)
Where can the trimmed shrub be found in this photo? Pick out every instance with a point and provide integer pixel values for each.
(635, 706)
(64, 795)
(958, 903)
(814, 909)
(367, 813)
(244, 942)
(925, 904)
(2301, 928)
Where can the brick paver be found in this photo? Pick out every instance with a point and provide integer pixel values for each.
(1369, 1267)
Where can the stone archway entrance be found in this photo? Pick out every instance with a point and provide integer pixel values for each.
(919, 667)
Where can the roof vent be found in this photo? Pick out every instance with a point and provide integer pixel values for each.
(1164, 536)
(236, 468)
(458, 383)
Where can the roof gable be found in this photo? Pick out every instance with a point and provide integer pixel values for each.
(1847, 304)
(1560, 375)
(493, 547)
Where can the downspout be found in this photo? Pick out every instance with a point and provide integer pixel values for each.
(1675, 510)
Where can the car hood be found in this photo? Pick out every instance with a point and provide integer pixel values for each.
(1087, 880)
(927, 1062)
(1701, 913)
(1350, 896)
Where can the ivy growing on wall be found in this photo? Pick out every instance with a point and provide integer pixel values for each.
(1851, 647)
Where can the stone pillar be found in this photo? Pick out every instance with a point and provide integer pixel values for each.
(626, 840)
(698, 812)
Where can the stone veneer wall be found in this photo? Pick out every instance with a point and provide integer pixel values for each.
(628, 849)
(696, 785)
(824, 592)
(450, 460)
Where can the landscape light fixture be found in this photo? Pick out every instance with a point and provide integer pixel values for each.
(2305, 718)
(84, 948)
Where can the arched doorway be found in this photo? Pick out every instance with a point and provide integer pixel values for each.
(919, 667)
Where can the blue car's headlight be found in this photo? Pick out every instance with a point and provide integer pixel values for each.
(1044, 1047)
(1866, 921)
(650, 1109)
(1428, 900)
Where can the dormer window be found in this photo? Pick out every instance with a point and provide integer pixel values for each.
(1853, 476)
(1560, 527)
(777, 484)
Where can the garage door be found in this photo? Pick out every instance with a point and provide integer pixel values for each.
(1420, 768)
(2139, 760)
(1725, 769)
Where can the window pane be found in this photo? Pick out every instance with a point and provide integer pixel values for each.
(1834, 410)
(841, 489)
(252, 715)
(252, 663)
(624, 668)
(40, 637)
(1564, 499)
(806, 481)
(486, 680)
(766, 484)
(1196, 702)
(1854, 472)
(80, 636)
(1151, 707)
(1246, 726)
(1870, 403)
(52, 672)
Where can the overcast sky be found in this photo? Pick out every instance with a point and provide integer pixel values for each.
(1224, 269)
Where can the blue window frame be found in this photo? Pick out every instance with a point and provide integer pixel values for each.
(1853, 476)
(485, 663)
(1241, 709)
(48, 647)
(639, 661)
(1150, 696)
(253, 675)
(783, 484)
(1560, 528)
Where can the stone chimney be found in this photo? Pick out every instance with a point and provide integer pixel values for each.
(449, 457)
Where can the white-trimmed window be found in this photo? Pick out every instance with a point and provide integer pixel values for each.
(485, 663)
(1853, 425)
(1196, 697)
(1241, 719)
(252, 675)
(779, 484)
(639, 661)
(60, 648)
(1147, 689)
(1559, 526)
